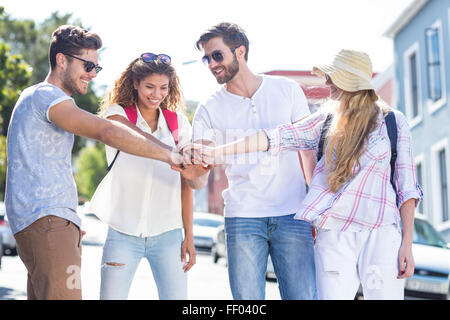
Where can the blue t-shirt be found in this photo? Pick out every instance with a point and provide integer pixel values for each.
(39, 179)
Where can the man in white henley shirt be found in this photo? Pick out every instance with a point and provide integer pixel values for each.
(264, 192)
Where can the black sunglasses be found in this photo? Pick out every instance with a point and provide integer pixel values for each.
(88, 65)
(217, 56)
(148, 57)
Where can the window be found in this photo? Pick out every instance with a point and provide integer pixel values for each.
(440, 178)
(413, 107)
(419, 174)
(435, 66)
(414, 91)
(443, 183)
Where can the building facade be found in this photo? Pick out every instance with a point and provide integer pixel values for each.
(421, 38)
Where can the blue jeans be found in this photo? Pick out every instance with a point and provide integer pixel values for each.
(122, 254)
(291, 247)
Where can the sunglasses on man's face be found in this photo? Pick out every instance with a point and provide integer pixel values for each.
(88, 65)
(217, 56)
(148, 57)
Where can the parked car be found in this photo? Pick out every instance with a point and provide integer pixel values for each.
(206, 226)
(445, 233)
(270, 272)
(432, 264)
(1, 249)
(9, 242)
(219, 247)
(219, 250)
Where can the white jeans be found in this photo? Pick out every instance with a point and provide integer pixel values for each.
(344, 260)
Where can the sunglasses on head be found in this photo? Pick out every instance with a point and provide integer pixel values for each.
(148, 57)
(217, 56)
(88, 65)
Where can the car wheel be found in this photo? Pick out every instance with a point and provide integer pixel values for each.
(214, 254)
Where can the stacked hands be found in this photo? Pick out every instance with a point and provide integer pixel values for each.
(194, 159)
(196, 154)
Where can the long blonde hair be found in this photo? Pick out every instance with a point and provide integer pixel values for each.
(124, 93)
(354, 119)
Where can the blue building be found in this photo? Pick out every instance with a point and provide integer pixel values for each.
(421, 38)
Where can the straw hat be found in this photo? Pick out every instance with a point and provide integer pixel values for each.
(350, 71)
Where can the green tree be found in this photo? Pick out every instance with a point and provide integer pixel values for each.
(2, 166)
(91, 165)
(14, 77)
(32, 41)
(189, 109)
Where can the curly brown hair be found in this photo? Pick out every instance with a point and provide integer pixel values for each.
(124, 93)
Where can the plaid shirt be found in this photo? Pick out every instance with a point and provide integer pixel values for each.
(367, 201)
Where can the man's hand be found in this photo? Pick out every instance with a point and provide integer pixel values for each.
(192, 171)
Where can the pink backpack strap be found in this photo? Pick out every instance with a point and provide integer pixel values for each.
(170, 116)
(172, 123)
(131, 113)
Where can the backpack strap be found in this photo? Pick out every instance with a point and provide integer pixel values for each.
(323, 134)
(391, 126)
(131, 112)
(172, 123)
(171, 119)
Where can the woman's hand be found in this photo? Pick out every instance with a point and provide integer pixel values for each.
(405, 261)
(200, 154)
(189, 248)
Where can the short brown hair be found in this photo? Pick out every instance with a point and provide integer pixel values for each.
(71, 40)
(233, 36)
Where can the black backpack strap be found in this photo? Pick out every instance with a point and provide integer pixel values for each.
(114, 160)
(323, 134)
(391, 126)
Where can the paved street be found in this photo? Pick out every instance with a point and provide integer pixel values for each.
(206, 281)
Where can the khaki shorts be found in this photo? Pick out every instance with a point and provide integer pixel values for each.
(50, 248)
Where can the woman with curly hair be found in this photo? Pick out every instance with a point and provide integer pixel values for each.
(139, 199)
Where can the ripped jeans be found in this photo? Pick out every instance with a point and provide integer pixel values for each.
(122, 254)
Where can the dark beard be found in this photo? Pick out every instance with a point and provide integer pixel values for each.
(230, 71)
(69, 85)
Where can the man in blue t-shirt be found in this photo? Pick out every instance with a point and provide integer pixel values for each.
(41, 195)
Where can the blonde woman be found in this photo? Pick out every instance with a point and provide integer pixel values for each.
(146, 203)
(364, 233)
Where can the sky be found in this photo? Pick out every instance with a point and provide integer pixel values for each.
(283, 34)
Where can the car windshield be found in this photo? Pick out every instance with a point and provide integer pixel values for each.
(424, 233)
(207, 222)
